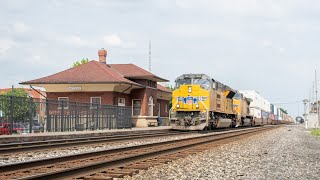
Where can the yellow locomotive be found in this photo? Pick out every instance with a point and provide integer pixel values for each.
(200, 102)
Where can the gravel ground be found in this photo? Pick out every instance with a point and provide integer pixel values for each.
(32, 155)
(286, 153)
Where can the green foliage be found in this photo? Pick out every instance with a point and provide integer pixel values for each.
(21, 105)
(82, 61)
(171, 88)
(315, 132)
(283, 110)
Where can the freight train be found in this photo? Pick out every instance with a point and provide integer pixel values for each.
(200, 102)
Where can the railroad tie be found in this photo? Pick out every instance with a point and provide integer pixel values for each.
(113, 175)
(97, 178)
(119, 171)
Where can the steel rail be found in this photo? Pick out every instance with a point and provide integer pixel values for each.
(41, 145)
(199, 140)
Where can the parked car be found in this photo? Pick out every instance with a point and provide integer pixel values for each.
(17, 128)
(36, 127)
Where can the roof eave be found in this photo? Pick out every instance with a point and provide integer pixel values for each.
(43, 83)
(159, 79)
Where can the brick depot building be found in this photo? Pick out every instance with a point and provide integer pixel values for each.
(110, 84)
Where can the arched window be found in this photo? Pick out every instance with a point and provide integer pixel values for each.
(150, 105)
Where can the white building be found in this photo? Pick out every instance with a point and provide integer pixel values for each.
(312, 121)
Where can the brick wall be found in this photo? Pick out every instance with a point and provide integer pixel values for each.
(109, 98)
(163, 103)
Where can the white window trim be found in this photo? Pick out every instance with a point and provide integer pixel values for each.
(132, 106)
(67, 103)
(159, 109)
(150, 105)
(124, 102)
(166, 108)
(91, 107)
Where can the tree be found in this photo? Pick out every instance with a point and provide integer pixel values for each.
(171, 88)
(82, 61)
(21, 105)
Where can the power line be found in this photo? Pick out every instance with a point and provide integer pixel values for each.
(291, 102)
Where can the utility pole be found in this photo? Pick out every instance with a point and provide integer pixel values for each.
(149, 55)
(305, 102)
(317, 105)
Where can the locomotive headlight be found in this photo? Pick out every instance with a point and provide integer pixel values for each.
(197, 106)
(178, 106)
(189, 89)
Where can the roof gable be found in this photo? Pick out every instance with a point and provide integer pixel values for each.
(91, 72)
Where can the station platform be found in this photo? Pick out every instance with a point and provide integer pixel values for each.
(16, 138)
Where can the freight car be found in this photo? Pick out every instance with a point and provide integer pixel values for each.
(259, 107)
(200, 102)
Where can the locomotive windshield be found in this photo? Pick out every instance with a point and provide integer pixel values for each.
(182, 82)
(204, 83)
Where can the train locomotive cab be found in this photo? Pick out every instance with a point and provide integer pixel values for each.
(190, 102)
(199, 102)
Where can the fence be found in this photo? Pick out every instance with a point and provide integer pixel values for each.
(27, 115)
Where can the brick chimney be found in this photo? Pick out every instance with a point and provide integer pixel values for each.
(102, 53)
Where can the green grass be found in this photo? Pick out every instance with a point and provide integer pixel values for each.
(315, 132)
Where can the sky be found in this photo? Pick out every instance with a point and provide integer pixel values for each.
(271, 46)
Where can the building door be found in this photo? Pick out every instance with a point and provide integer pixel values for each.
(150, 106)
(136, 107)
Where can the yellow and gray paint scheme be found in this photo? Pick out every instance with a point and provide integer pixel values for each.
(199, 102)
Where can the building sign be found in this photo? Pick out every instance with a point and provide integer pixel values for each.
(74, 88)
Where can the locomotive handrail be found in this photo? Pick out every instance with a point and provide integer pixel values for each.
(171, 111)
(207, 111)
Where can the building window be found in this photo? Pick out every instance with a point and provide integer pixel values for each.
(136, 107)
(150, 105)
(121, 101)
(166, 108)
(95, 102)
(63, 102)
(151, 83)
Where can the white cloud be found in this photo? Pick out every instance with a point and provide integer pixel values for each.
(205, 30)
(116, 41)
(267, 43)
(113, 40)
(76, 40)
(20, 27)
(264, 8)
(5, 45)
(282, 50)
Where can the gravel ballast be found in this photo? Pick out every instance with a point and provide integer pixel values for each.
(57, 152)
(289, 152)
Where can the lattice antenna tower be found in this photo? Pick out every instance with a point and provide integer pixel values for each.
(149, 55)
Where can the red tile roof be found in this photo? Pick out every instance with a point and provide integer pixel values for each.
(162, 88)
(135, 72)
(91, 72)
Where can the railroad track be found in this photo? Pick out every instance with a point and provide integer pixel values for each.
(113, 163)
(42, 145)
